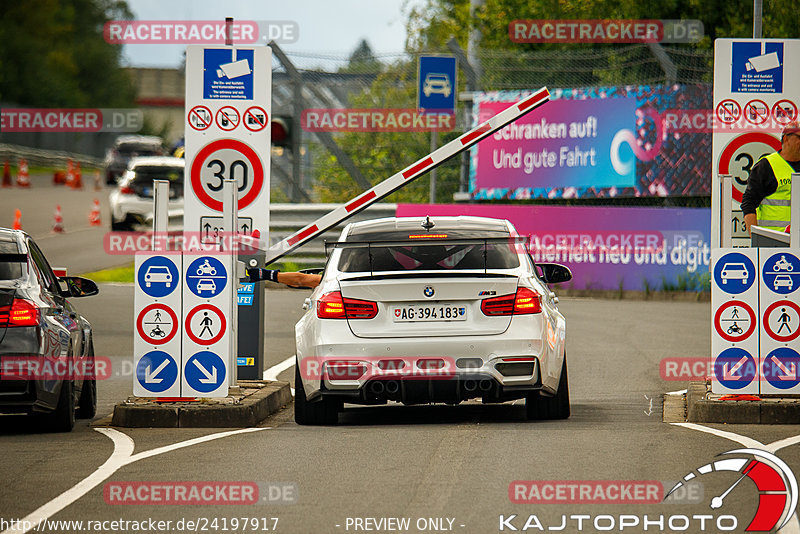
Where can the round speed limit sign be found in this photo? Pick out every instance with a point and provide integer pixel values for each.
(226, 158)
(741, 153)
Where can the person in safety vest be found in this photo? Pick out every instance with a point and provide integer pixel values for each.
(769, 187)
(293, 279)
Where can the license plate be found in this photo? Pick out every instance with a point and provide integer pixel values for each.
(422, 313)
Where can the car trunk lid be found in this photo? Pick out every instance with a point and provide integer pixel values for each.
(428, 304)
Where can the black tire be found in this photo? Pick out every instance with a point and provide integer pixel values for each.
(123, 226)
(62, 419)
(321, 412)
(541, 408)
(87, 404)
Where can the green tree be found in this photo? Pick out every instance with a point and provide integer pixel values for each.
(54, 55)
(362, 60)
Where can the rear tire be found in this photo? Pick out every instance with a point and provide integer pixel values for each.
(322, 412)
(62, 419)
(87, 405)
(542, 408)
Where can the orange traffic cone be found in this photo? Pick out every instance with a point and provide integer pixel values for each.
(77, 183)
(6, 175)
(17, 220)
(98, 182)
(58, 221)
(94, 215)
(70, 174)
(23, 180)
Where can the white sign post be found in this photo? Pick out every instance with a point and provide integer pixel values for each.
(756, 92)
(228, 103)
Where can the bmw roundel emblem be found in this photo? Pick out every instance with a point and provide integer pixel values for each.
(428, 291)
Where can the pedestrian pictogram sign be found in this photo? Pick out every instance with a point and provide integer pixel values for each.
(782, 321)
(205, 373)
(227, 118)
(255, 119)
(205, 324)
(157, 324)
(735, 321)
(200, 118)
(157, 372)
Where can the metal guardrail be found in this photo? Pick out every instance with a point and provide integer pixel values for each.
(45, 158)
(286, 219)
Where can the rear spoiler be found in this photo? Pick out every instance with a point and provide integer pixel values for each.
(512, 240)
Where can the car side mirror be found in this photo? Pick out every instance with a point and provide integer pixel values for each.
(78, 287)
(554, 273)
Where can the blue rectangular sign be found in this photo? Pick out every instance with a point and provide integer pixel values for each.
(247, 288)
(757, 69)
(245, 300)
(437, 85)
(226, 77)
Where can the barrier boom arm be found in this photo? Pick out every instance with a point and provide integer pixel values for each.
(407, 175)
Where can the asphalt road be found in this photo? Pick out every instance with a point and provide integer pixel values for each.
(80, 248)
(429, 464)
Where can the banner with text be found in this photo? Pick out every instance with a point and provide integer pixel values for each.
(593, 143)
(608, 248)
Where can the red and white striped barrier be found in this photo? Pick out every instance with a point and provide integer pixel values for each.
(410, 173)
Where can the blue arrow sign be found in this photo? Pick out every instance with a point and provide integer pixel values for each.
(735, 368)
(206, 277)
(204, 372)
(156, 371)
(734, 273)
(781, 368)
(781, 273)
(158, 276)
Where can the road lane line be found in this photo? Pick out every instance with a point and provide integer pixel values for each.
(273, 372)
(122, 456)
(793, 526)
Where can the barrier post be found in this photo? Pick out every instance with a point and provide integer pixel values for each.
(160, 213)
(230, 226)
(726, 230)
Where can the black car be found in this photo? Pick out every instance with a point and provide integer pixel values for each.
(46, 351)
(127, 147)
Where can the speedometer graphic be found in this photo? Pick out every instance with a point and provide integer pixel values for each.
(777, 486)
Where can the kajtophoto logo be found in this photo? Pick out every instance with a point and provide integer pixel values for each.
(775, 481)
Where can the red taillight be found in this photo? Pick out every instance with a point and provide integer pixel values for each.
(524, 301)
(22, 312)
(125, 190)
(332, 306)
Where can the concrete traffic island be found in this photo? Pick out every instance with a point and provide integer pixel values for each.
(253, 402)
(699, 405)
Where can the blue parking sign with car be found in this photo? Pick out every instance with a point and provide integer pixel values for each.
(734, 273)
(158, 276)
(437, 83)
(206, 277)
(781, 273)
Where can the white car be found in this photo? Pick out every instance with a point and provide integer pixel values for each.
(437, 83)
(431, 310)
(158, 274)
(132, 200)
(782, 280)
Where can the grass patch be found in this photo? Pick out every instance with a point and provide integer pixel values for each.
(117, 274)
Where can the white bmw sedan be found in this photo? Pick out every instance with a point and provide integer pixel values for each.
(431, 310)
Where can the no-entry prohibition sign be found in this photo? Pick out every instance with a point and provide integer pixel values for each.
(226, 158)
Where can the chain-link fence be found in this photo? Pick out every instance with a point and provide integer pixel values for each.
(390, 81)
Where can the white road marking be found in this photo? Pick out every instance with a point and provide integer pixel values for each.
(122, 456)
(678, 392)
(273, 372)
(793, 526)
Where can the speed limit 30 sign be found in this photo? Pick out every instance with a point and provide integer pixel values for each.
(226, 158)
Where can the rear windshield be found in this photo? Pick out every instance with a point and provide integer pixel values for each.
(129, 149)
(425, 256)
(148, 173)
(12, 263)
